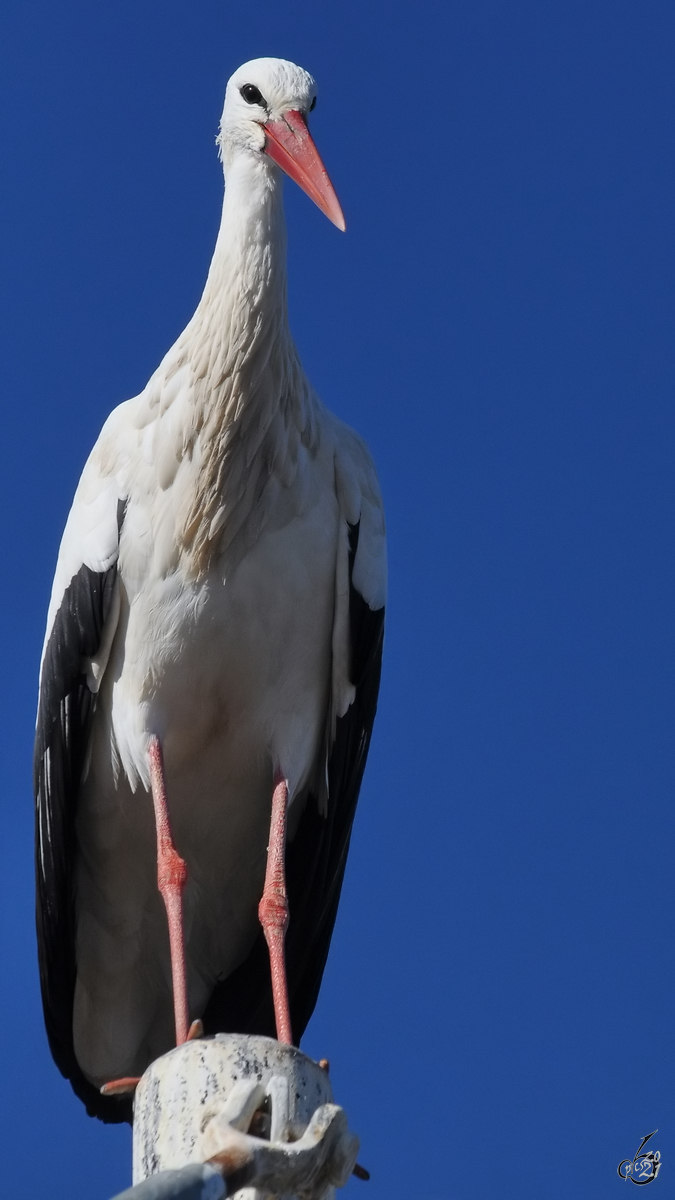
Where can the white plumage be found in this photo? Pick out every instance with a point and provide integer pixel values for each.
(216, 508)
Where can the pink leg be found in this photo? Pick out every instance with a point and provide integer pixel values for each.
(273, 909)
(171, 879)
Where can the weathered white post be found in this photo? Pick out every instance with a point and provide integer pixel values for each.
(259, 1112)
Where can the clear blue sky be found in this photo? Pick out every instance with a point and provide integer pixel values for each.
(498, 323)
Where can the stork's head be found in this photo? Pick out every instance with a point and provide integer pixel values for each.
(267, 103)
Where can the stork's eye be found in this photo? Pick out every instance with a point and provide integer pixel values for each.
(252, 95)
(312, 105)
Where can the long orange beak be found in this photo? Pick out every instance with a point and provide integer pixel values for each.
(290, 144)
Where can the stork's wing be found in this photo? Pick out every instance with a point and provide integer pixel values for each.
(316, 858)
(323, 841)
(81, 624)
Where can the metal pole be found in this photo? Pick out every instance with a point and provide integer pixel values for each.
(249, 1117)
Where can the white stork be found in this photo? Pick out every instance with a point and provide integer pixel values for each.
(212, 654)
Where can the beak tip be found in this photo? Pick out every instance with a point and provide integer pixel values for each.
(333, 210)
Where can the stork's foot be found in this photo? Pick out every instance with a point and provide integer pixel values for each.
(195, 1031)
(121, 1087)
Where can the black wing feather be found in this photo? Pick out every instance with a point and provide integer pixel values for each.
(315, 860)
(317, 856)
(65, 711)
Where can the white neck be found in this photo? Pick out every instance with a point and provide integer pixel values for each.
(247, 277)
(245, 367)
(244, 300)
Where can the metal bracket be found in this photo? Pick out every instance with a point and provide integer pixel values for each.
(306, 1166)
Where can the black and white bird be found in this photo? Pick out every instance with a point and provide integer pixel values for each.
(211, 662)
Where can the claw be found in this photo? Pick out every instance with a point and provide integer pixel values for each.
(121, 1087)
